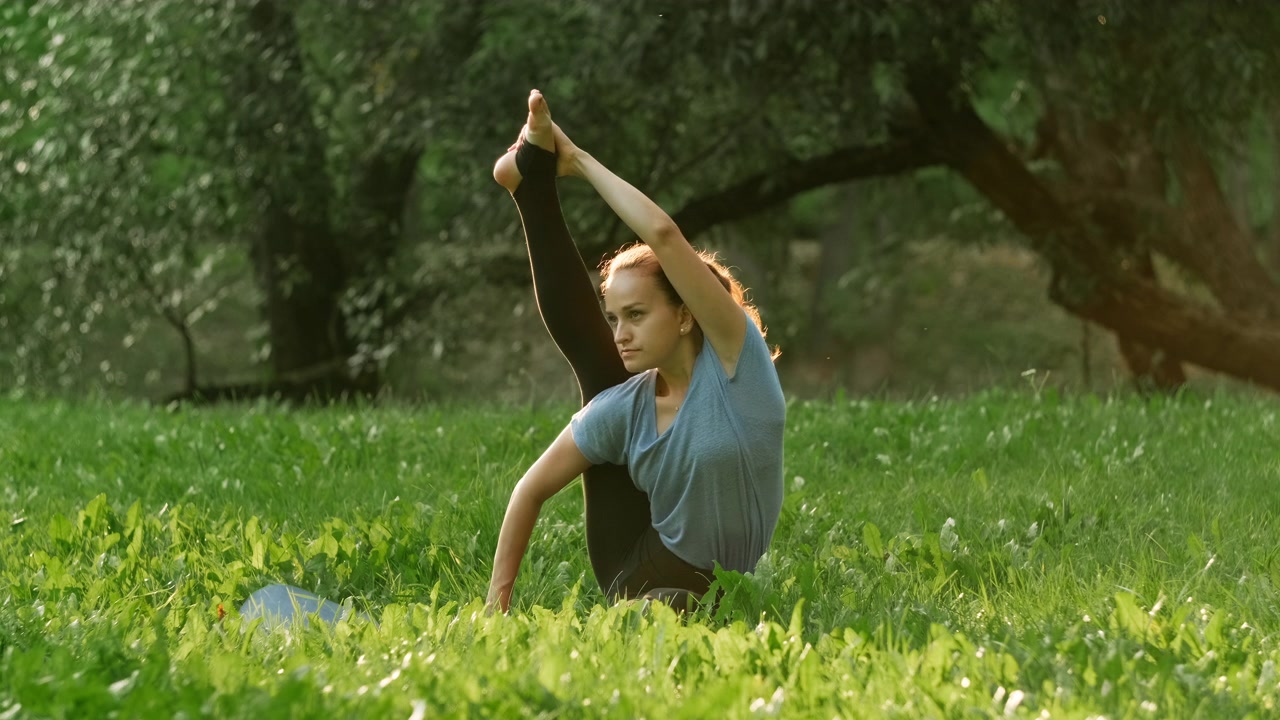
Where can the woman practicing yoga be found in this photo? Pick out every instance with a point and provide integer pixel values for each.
(679, 441)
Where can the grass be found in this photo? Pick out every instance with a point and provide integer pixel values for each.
(1009, 554)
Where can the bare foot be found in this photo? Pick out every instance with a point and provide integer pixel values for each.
(538, 129)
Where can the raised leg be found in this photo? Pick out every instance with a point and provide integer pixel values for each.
(617, 513)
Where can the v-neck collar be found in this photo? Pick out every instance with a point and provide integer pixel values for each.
(651, 400)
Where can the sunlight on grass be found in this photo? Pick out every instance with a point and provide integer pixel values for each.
(1020, 555)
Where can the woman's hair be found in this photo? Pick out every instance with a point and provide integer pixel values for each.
(639, 256)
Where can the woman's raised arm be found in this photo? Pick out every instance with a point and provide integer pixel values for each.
(717, 313)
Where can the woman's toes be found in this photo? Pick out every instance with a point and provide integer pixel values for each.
(539, 129)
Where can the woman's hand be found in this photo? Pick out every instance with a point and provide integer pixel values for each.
(568, 155)
(497, 602)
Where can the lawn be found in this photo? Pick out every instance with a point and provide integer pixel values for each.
(1008, 554)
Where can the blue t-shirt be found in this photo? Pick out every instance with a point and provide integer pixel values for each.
(714, 478)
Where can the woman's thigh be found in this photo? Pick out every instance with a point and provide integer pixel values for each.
(651, 567)
(616, 515)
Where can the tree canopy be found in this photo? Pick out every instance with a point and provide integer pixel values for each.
(329, 160)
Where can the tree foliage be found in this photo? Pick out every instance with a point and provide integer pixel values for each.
(329, 160)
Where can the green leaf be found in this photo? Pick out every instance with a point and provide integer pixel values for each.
(1129, 616)
(1214, 637)
(980, 479)
(1196, 547)
(60, 529)
(258, 555)
(871, 536)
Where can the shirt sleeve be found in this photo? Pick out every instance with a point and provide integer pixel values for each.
(754, 358)
(600, 429)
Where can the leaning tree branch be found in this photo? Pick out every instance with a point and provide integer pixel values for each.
(783, 182)
(1092, 280)
(751, 196)
(770, 188)
(1237, 275)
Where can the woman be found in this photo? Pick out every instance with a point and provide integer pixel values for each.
(680, 439)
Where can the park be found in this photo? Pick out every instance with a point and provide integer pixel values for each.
(998, 406)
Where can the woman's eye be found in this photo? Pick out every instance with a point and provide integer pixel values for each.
(635, 314)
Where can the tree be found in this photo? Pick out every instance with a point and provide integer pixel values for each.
(340, 150)
(265, 145)
(1135, 111)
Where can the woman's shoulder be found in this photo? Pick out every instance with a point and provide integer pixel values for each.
(756, 358)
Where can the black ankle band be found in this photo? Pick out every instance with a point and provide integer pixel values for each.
(535, 163)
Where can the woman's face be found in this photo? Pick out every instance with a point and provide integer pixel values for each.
(646, 325)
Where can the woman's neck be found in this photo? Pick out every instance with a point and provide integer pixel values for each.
(675, 376)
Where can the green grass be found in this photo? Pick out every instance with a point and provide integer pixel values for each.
(1019, 554)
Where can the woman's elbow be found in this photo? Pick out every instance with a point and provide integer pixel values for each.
(665, 232)
(529, 494)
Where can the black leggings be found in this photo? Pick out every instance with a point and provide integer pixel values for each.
(627, 556)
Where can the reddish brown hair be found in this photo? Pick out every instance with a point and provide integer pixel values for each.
(639, 256)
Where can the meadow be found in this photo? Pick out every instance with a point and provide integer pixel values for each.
(1019, 554)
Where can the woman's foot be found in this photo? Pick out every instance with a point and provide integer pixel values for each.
(538, 130)
(678, 599)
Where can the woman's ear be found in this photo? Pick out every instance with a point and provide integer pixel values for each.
(686, 320)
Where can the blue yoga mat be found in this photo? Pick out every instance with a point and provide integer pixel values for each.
(285, 604)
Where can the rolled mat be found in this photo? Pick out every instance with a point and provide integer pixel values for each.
(285, 604)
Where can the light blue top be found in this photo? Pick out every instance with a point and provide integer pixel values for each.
(714, 478)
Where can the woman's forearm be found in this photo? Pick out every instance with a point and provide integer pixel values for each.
(513, 541)
(648, 221)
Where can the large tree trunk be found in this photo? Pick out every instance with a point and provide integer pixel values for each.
(1086, 150)
(386, 179)
(1221, 249)
(295, 253)
(1152, 368)
(1093, 279)
(383, 188)
(1274, 230)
